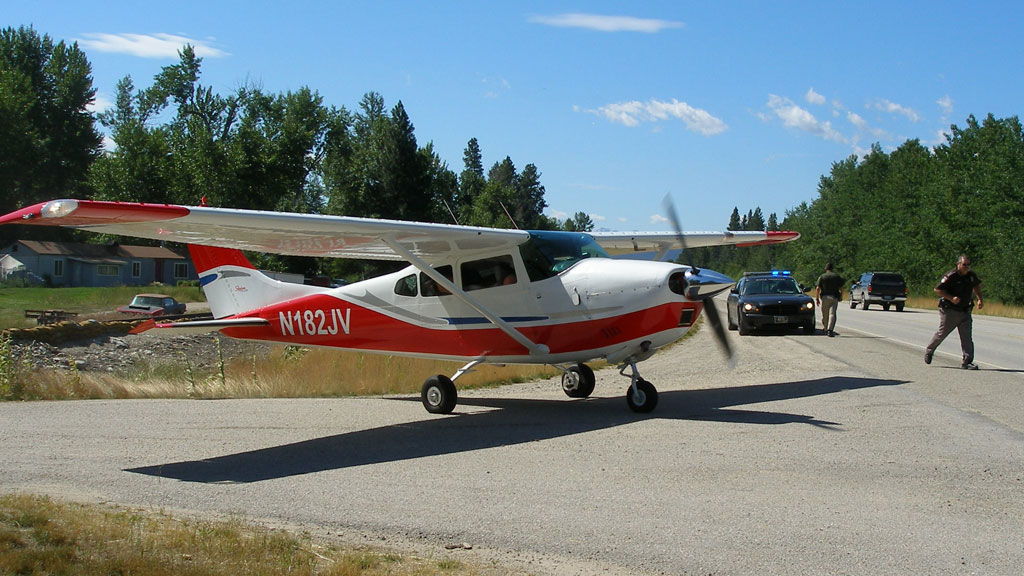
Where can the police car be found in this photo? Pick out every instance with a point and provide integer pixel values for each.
(771, 299)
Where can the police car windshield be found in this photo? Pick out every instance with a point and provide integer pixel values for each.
(785, 285)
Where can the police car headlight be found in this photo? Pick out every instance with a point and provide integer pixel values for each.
(748, 307)
(808, 306)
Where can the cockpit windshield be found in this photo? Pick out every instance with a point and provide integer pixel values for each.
(546, 254)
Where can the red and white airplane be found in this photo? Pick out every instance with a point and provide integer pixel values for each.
(470, 294)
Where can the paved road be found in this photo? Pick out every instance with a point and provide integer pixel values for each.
(813, 455)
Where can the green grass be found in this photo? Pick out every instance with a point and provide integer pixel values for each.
(85, 301)
(41, 536)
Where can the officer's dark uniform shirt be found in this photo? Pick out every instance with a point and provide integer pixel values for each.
(830, 284)
(956, 284)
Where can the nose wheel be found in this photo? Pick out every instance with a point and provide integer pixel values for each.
(641, 396)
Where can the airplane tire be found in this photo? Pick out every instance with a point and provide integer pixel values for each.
(647, 397)
(578, 381)
(439, 395)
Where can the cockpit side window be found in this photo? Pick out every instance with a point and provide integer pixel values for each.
(406, 286)
(547, 254)
(488, 273)
(430, 288)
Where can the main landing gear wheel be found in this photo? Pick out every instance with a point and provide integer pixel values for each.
(642, 396)
(439, 395)
(578, 381)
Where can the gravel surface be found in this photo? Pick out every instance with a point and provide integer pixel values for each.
(813, 455)
(120, 354)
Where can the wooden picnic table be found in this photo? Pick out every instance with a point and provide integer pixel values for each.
(50, 316)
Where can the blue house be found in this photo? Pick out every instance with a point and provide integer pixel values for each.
(77, 264)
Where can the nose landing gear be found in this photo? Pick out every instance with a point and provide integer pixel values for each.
(641, 396)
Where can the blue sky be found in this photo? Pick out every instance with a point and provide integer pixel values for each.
(721, 105)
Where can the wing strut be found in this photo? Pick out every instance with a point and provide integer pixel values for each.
(534, 348)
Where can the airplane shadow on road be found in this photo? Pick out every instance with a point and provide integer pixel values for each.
(513, 421)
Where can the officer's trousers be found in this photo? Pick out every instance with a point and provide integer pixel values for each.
(829, 306)
(952, 319)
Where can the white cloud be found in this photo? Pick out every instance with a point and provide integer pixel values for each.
(148, 45)
(602, 23)
(894, 108)
(793, 116)
(597, 217)
(813, 97)
(100, 103)
(856, 120)
(946, 104)
(635, 112)
(659, 219)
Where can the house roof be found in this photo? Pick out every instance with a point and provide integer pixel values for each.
(99, 252)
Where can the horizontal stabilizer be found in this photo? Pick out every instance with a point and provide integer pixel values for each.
(200, 326)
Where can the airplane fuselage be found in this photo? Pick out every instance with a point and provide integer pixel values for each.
(596, 308)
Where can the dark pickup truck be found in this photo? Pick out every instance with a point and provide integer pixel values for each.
(884, 288)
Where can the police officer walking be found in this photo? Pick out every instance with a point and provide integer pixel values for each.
(957, 290)
(828, 293)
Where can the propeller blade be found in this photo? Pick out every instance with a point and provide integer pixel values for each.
(670, 210)
(716, 324)
(709, 304)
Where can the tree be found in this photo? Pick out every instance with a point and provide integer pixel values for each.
(471, 180)
(47, 136)
(580, 222)
(734, 220)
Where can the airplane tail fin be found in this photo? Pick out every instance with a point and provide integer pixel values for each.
(233, 286)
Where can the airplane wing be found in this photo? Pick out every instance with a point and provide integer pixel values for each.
(616, 243)
(273, 232)
(334, 236)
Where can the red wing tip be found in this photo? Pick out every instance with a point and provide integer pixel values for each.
(782, 235)
(774, 237)
(68, 212)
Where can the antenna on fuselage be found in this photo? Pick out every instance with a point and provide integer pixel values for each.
(513, 220)
(454, 219)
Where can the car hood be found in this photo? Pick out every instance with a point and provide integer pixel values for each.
(140, 309)
(776, 298)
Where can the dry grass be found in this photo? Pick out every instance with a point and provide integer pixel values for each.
(42, 536)
(991, 308)
(286, 372)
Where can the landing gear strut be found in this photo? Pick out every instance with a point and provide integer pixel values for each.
(438, 393)
(641, 396)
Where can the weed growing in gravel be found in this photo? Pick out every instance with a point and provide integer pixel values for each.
(7, 366)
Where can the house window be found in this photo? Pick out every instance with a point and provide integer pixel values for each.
(180, 270)
(136, 269)
(106, 270)
(58, 268)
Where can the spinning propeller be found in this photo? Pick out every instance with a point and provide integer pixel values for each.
(694, 280)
